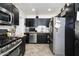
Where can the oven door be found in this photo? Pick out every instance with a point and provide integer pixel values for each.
(12, 49)
(16, 51)
(19, 50)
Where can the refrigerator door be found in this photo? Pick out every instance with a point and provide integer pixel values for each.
(77, 38)
(59, 36)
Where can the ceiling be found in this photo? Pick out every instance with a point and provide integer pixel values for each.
(40, 8)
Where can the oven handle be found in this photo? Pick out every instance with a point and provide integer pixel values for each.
(9, 42)
(5, 53)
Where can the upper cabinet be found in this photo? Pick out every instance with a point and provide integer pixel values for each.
(29, 22)
(34, 22)
(43, 21)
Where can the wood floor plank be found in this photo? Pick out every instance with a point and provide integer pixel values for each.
(38, 50)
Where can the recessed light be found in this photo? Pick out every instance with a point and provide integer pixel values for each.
(33, 9)
(68, 4)
(49, 9)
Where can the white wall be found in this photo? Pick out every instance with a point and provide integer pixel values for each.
(21, 28)
(40, 16)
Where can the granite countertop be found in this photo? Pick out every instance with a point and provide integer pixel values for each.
(36, 32)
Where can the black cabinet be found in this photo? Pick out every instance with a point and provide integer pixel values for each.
(43, 21)
(27, 38)
(33, 22)
(29, 22)
(42, 38)
(77, 48)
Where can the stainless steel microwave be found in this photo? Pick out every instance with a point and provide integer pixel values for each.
(5, 16)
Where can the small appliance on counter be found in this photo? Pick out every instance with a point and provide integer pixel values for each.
(32, 29)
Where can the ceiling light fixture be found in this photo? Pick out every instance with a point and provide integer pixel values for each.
(49, 9)
(33, 9)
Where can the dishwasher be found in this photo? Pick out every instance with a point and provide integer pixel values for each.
(33, 38)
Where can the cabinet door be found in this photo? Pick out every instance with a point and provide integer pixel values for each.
(43, 21)
(42, 38)
(27, 38)
(77, 48)
(29, 22)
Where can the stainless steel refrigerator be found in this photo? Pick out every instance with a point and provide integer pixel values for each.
(59, 36)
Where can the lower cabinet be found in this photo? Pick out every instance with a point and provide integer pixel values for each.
(37, 38)
(27, 38)
(77, 48)
(42, 38)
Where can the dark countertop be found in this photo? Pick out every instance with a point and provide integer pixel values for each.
(36, 33)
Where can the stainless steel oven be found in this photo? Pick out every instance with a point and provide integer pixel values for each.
(11, 48)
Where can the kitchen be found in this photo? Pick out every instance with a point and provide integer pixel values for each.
(39, 29)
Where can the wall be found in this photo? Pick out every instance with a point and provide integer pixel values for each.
(40, 16)
(21, 28)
